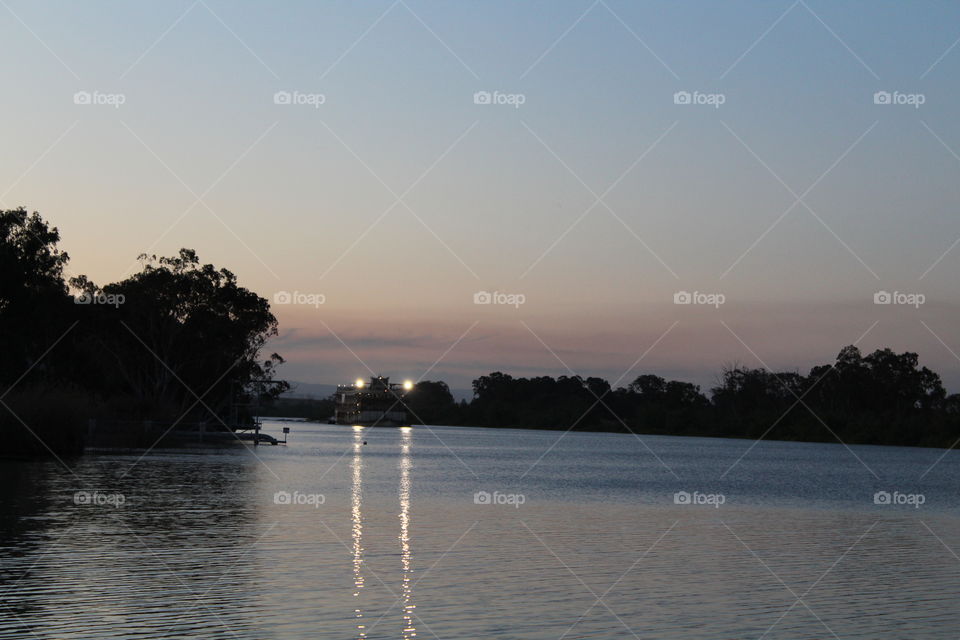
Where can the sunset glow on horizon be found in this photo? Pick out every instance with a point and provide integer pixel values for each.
(439, 190)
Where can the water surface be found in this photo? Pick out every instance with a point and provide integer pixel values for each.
(483, 533)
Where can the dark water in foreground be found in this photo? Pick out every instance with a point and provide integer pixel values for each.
(580, 537)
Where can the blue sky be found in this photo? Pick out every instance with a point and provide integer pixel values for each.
(398, 198)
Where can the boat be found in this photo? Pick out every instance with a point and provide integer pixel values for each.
(374, 403)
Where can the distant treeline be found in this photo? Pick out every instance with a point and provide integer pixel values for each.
(881, 398)
(314, 409)
(176, 341)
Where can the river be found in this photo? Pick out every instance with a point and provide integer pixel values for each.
(483, 533)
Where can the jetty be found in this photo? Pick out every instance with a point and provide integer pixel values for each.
(127, 434)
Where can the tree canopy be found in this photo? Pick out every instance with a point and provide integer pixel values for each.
(177, 340)
(882, 398)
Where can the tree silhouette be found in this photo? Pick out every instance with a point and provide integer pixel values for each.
(183, 330)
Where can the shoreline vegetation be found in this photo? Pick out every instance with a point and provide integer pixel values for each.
(883, 398)
(175, 342)
(180, 341)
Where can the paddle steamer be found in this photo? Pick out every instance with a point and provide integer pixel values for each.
(377, 403)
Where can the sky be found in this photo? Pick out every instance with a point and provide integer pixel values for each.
(376, 169)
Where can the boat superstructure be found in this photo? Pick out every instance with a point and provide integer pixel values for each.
(377, 402)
